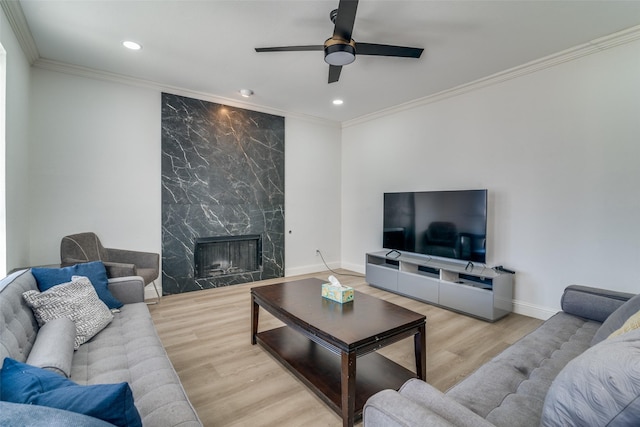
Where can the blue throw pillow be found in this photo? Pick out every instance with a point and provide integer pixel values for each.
(22, 383)
(95, 271)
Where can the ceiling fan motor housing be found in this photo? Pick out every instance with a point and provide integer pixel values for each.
(339, 52)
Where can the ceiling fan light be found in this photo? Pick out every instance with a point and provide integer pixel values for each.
(339, 54)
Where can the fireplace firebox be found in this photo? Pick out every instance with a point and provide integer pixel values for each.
(227, 255)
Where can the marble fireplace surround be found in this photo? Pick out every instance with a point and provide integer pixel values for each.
(222, 177)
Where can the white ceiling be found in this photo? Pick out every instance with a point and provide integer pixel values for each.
(208, 46)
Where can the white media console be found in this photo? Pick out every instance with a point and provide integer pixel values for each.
(468, 288)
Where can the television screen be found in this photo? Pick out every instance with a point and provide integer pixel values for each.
(449, 224)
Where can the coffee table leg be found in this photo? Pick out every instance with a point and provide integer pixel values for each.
(348, 383)
(255, 309)
(419, 340)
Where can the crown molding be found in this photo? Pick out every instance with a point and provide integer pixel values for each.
(15, 16)
(76, 70)
(594, 46)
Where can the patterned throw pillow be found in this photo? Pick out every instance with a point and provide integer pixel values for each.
(632, 323)
(76, 300)
(600, 387)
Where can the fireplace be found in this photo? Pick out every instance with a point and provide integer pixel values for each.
(234, 186)
(227, 255)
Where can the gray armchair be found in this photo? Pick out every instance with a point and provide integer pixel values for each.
(86, 247)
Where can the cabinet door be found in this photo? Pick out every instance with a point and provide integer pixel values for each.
(418, 286)
(382, 277)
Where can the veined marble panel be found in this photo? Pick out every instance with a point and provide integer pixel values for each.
(222, 175)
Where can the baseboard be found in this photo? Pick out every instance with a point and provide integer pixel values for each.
(308, 269)
(532, 310)
(356, 268)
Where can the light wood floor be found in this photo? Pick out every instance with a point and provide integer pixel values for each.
(232, 383)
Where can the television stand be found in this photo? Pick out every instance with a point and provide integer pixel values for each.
(468, 288)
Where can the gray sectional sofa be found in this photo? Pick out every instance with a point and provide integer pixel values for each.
(126, 350)
(568, 372)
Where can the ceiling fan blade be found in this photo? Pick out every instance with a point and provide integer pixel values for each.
(334, 73)
(345, 19)
(290, 48)
(388, 50)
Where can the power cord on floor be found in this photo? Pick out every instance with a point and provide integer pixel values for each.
(335, 272)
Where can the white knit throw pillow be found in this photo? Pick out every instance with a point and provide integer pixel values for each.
(76, 300)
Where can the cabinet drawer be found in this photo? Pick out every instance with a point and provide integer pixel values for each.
(417, 286)
(475, 301)
(382, 277)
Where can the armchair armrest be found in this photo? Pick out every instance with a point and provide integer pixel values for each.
(127, 290)
(120, 269)
(140, 259)
(592, 303)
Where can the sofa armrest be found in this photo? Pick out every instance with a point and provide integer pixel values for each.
(389, 408)
(43, 416)
(446, 407)
(592, 303)
(127, 290)
(138, 258)
(418, 404)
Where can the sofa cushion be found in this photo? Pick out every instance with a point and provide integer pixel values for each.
(53, 349)
(95, 271)
(510, 389)
(76, 300)
(617, 319)
(22, 383)
(599, 387)
(129, 350)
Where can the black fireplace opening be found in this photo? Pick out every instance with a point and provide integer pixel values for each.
(227, 255)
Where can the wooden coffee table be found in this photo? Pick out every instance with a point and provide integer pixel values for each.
(319, 330)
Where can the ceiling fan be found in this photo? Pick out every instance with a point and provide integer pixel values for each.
(340, 49)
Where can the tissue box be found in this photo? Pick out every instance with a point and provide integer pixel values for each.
(339, 294)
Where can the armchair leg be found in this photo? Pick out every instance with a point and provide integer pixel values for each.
(157, 293)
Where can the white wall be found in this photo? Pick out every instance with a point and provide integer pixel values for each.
(558, 151)
(95, 164)
(96, 167)
(312, 195)
(16, 150)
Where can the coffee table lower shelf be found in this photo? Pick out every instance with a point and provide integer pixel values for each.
(319, 368)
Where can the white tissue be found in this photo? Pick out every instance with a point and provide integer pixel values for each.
(334, 281)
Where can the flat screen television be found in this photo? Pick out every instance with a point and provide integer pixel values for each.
(448, 224)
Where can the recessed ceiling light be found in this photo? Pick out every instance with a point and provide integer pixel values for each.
(246, 92)
(338, 102)
(131, 45)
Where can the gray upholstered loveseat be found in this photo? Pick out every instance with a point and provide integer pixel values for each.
(126, 350)
(568, 372)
